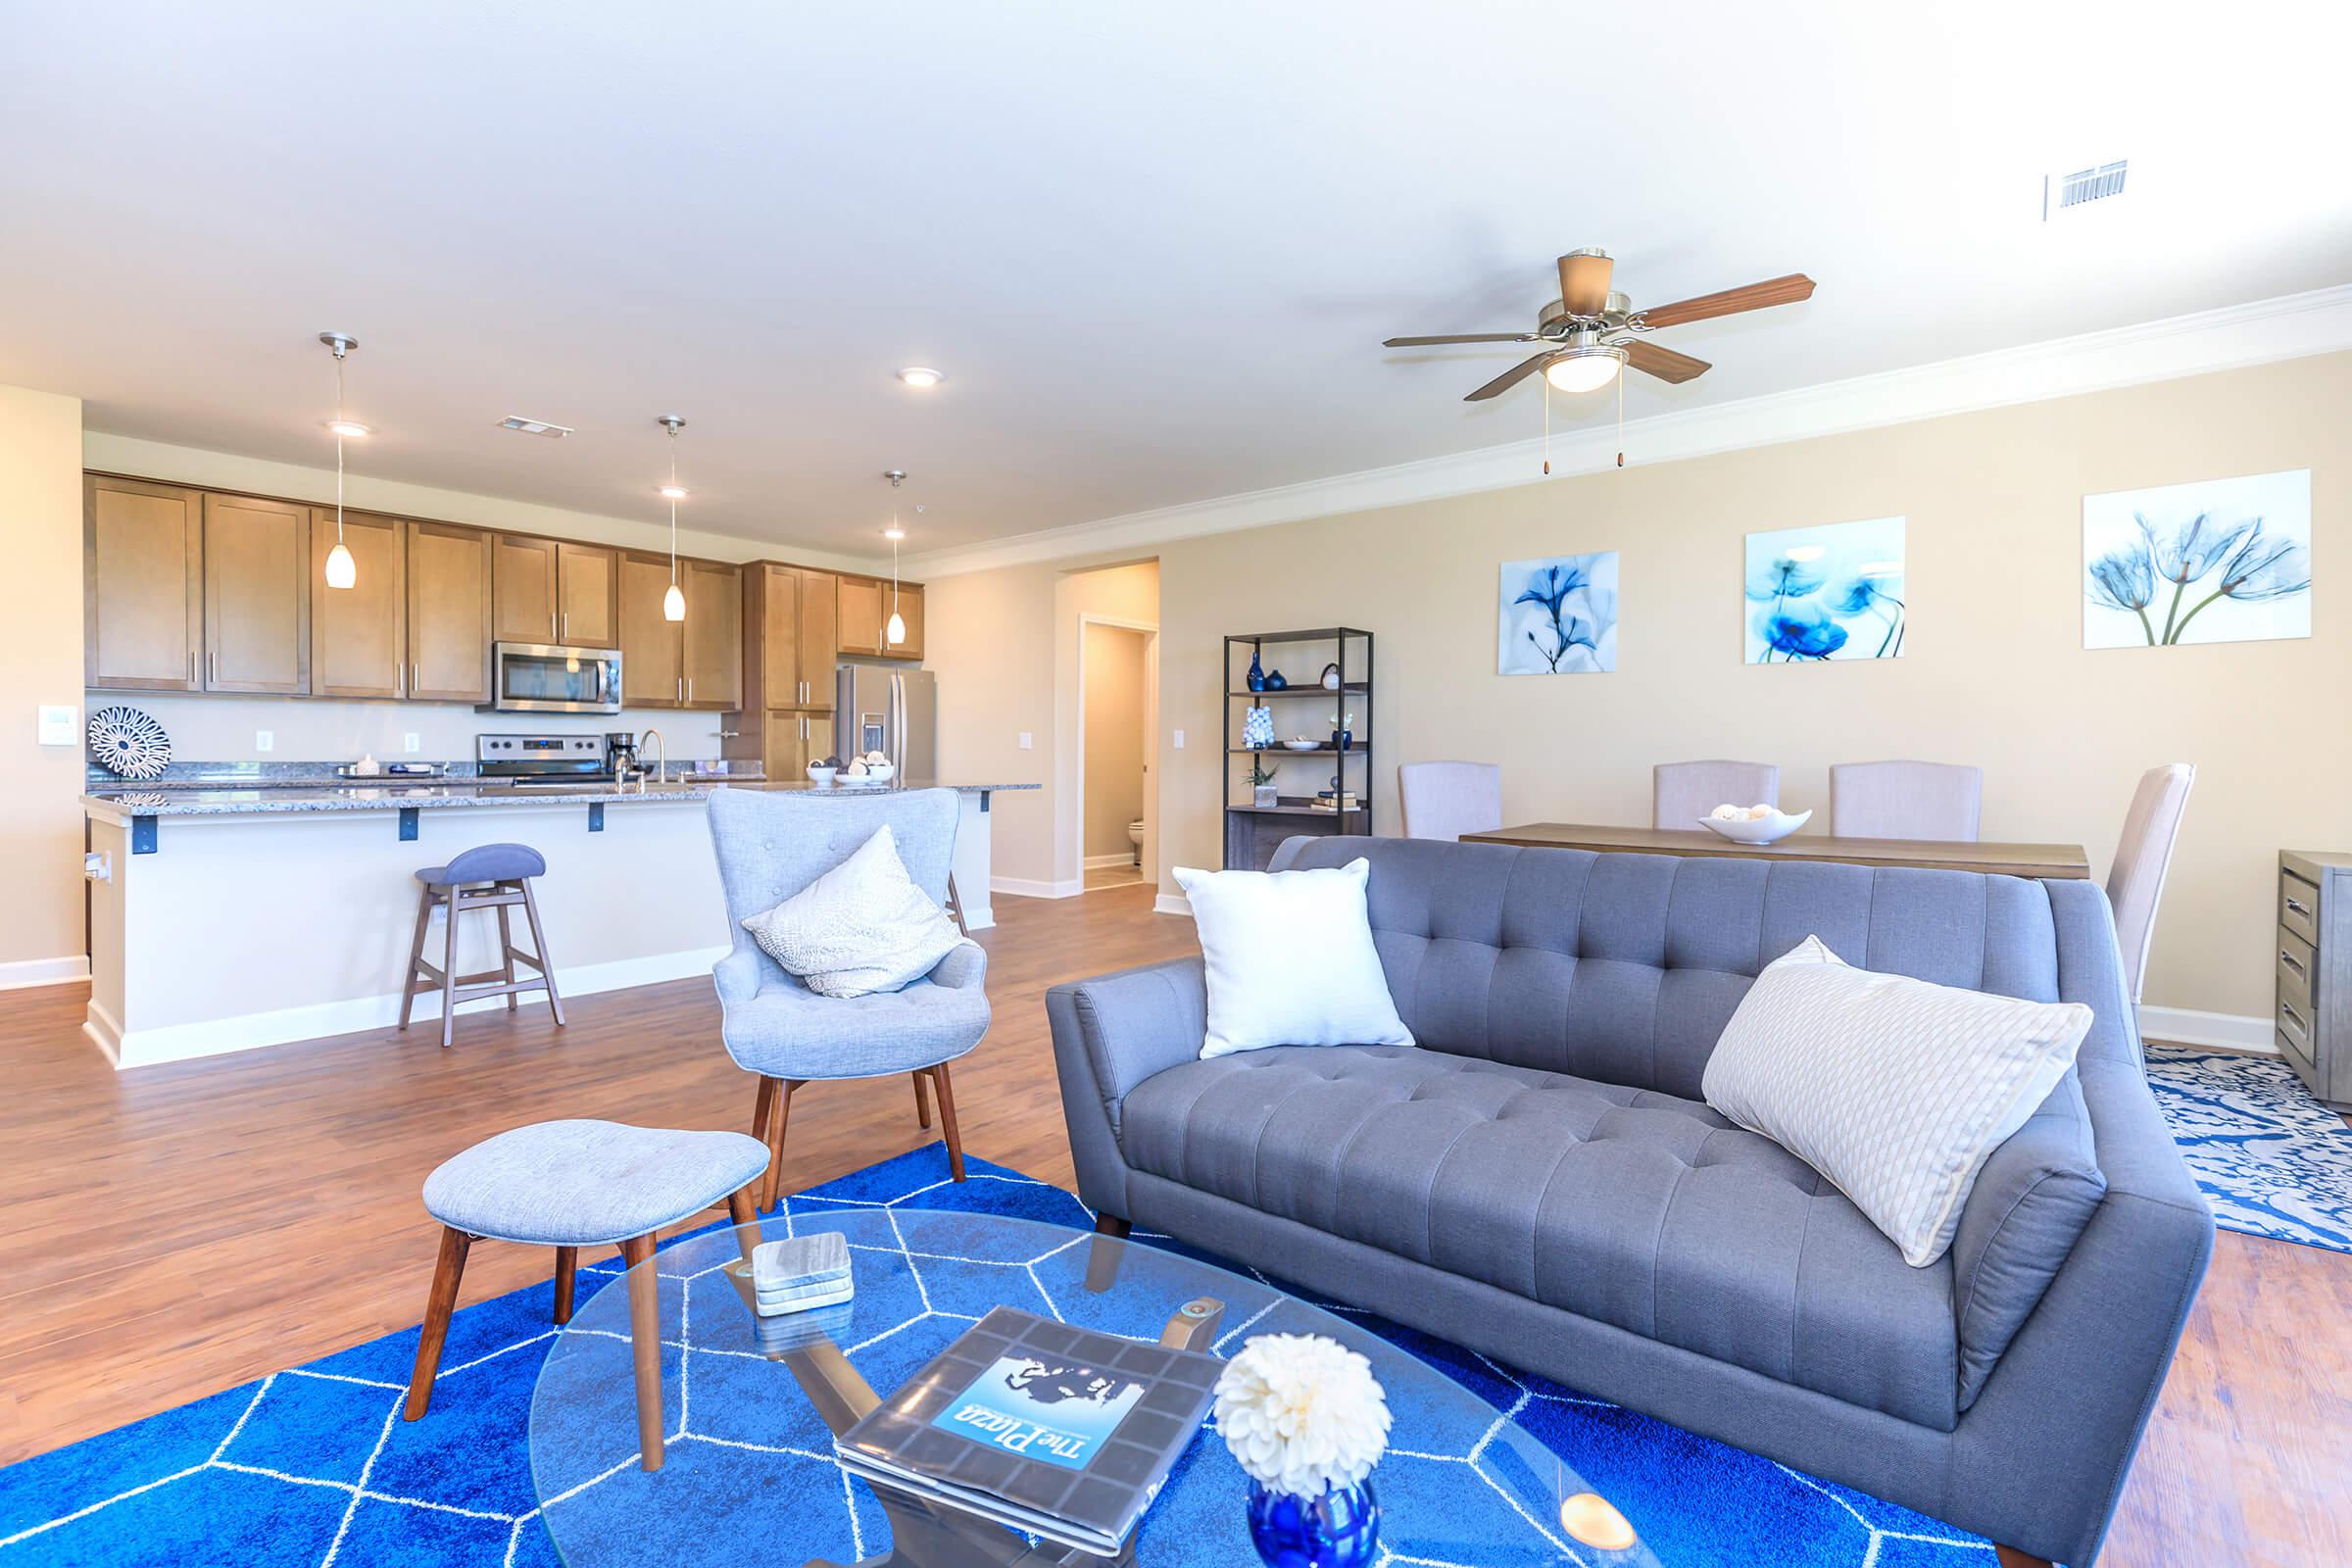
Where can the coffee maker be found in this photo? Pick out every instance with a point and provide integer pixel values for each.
(620, 753)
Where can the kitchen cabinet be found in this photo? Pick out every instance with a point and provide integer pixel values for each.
(523, 592)
(586, 611)
(257, 596)
(359, 635)
(714, 634)
(820, 613)
(653, 655)
(788, 650)
(792, 740)
(142, 558)
(859, 606)
(449, 598)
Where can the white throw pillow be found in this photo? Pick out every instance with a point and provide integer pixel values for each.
(1895, 1089)
(1289, 959)
(862, 927)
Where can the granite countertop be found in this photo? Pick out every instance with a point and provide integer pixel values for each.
(133, 800)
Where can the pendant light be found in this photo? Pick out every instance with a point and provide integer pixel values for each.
(673, 602)
(342, 571)
(895, 632)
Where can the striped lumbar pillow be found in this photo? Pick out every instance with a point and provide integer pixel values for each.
(1895, 1089)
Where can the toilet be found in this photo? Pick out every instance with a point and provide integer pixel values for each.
(1134, 835)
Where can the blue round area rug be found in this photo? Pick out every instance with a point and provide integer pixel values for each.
(314, 1467)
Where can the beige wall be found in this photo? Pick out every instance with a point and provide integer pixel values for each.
(1115, 737)
(1994, 672)
(40, 663)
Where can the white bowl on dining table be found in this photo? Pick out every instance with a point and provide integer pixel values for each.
(1756, 829)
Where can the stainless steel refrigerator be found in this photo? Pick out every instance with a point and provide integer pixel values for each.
(889, 708)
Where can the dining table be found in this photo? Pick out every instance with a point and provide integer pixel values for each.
(1935, 854)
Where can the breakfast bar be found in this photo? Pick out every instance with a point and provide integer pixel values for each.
(223, 919)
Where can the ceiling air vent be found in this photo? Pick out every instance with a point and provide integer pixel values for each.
(2062, 191)
(515, 422)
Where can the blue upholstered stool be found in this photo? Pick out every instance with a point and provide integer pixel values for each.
(488, 876)
(574, 1183)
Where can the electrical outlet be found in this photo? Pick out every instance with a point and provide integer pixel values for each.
(410, 742)
(1180, 740)
(1026, 741)
(58, 725)
(264, 740)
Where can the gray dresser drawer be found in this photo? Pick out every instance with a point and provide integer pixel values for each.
(2298, 961)
(2299, 907)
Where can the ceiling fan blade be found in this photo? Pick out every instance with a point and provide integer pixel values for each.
(1512, 377)
(1458, 337)
(1731, 302)
(1663, 363)
(1584, 284)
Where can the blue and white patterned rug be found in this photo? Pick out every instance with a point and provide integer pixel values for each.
(2271, 1159)
(314, 1467)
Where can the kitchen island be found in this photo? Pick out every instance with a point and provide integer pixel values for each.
(227, 918)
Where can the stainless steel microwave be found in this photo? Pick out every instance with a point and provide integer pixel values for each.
(551, 678)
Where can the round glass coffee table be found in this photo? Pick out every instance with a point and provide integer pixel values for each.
(750, 1407)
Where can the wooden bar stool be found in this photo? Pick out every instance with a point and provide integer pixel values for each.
(488, 876)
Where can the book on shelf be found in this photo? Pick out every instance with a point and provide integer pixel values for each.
(1037, 1426)
(1326, 802)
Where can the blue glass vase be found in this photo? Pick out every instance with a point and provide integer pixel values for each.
(1257, 674)
(1341, 1529)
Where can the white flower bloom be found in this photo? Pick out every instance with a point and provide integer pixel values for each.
(1302, 1413)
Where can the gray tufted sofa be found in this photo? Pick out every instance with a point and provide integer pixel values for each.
(1538, 1179)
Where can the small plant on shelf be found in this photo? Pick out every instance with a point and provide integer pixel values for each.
(1261, 783)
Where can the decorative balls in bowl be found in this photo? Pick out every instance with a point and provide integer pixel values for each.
(1753, 825)
(820, 774)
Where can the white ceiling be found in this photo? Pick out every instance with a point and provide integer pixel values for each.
(1155, 248)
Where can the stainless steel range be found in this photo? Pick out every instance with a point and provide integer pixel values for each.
(538, 760)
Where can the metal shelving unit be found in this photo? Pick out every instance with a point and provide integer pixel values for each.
(1253, 833)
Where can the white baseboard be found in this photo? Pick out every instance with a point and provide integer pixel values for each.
(1097, 862)
(1022, 886)
(44, 972)
(2226, 1031)
(1172, 903)
(214, 1037)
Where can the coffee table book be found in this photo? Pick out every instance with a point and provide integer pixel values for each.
(1039, 1426)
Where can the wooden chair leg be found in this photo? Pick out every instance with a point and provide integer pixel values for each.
(408, 982)
(644, 1341)
(947, 1120)
(506, 949)
(923, 1102)
(746, 1218)
(449, 969)
(779, 1112)
(448, 1270)
(567, 1266)
(763, 1107)
(547, 967)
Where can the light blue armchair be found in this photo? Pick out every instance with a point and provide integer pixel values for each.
(770, 845)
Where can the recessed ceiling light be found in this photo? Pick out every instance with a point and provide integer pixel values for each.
(672, 491)
(348, 427)
(920, 375)
(515, 422)
(894, 532)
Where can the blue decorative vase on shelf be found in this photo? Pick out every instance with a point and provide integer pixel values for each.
(1257, 676)
(1276, 682)
(1341, 1529)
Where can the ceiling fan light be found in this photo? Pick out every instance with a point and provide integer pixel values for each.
(1583, 370)
(673, 603)
(341, 571)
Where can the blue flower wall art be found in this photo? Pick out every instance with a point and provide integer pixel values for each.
(1830, 592)
(2225, 560)
(1557, 615)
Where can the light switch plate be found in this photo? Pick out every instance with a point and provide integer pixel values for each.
(264, 740)
(1025, 740)
(409, 741)
(60, 726)
(1180, 740)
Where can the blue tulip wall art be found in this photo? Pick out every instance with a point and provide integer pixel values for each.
(2223, 561)
(1834, 591)
(1557, 615)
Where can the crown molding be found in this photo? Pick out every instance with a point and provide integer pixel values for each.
(2288, 327)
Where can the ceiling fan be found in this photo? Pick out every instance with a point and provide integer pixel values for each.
(1590, 331)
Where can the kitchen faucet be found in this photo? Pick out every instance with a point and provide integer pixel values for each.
(662, 778)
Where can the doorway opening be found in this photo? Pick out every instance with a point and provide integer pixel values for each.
(1118, 688)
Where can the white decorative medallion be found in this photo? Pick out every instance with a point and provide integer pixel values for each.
(128, 743)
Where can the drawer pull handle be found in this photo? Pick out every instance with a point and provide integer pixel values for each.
(2296, 905)
(2293, 963)
(2295, 1018)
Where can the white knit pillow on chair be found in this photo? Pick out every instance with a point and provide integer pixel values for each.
(1895, 1089)
(862, 927)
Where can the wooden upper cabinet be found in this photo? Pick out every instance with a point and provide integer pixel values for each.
(523, 592)
(713, 647)
(587, 611)
(449, 592)
(859, 606)
(142, 566)
(820, 644)
(771, 637)
(257, 595)
(911, 610)
(359, 635)
(652, 650)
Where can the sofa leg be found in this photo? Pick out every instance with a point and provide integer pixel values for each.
(1110, 1225)
(2011, 1557)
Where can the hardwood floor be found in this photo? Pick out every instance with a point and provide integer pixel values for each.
(177, 1230)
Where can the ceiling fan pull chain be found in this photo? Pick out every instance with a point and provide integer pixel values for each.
(1548, 427)
(1621, 421)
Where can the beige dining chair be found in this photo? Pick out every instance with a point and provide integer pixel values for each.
(1681, 792)
(1446, 799)
(1905, 801)
(2135, 882)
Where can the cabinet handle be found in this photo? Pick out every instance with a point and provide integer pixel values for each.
(2296, 905)
(551, 634)
(690, 688)
(681, 688)
(2293, 963)
(416, 681)
(191, 667)
(565, 634)
(2295, 1018)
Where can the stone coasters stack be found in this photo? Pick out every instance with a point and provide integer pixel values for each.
(802, 1273)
